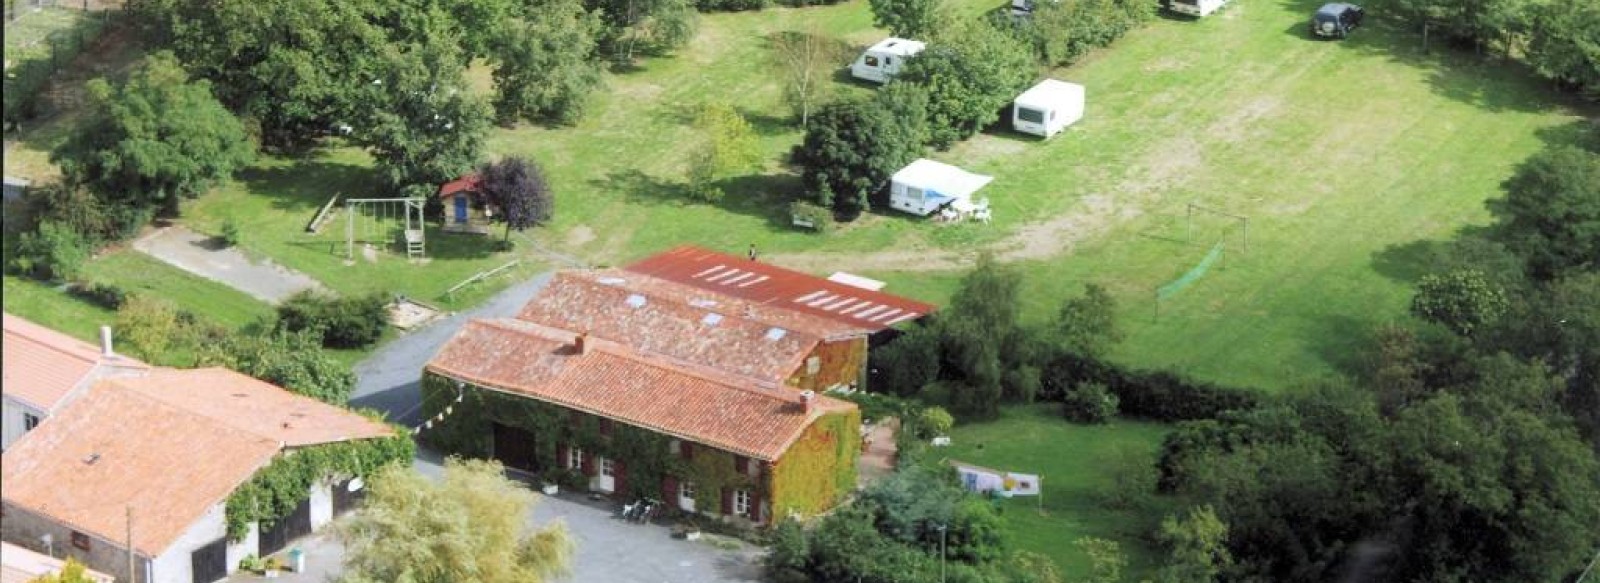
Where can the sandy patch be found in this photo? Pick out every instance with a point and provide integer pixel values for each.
(1235, 126)
(579, 236)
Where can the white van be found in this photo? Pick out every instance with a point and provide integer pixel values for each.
(1196, 8)
(1047, 108)
(880, 62)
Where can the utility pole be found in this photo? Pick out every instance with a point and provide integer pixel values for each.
(942, 530)
(133, 571)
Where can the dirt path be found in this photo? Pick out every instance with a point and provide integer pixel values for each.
(202, 256)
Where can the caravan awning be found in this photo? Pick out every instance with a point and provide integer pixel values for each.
(940, 179)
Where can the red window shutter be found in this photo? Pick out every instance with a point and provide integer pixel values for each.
(755, 507)
(669, 491)
(619, 472)
(605, 427)
(687, 449)
(741, 464)
(588, 463)
(561, 456)
(727, 500)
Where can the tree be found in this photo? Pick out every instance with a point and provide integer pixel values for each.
(148, 325)
(54, 252)
(1087, 325)
(470, 526)
(295, 68)
(1196, 547)
(1089, 403)
(71, 571)
(970, 74)
(1551, 213)
(425, 126)
(1106, 560)
(650, 26)
(729, 146)
(518, 191)
(1462, 301)
(934, 422)
(808, 60)
(852, 147)
(914, 19)
(906, 364)
(349, 322)
(1063, 32)
(544, 63)
(153, 140)
(1562, 46)
(292, 360)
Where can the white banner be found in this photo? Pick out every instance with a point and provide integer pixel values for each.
(981, 479)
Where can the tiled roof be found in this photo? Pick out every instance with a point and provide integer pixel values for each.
(42, 366)
(694, 402)
(662, 317)
(254, 406)
(112, 449)
(170, 445)
(775, 286)
(20, 565)
(468, 182)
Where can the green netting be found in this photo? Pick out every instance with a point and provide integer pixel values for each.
(1177, 285)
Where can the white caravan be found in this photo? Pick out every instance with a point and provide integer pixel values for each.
(881, 61)
(924, 186)
(1195, 8)
(1047, 108)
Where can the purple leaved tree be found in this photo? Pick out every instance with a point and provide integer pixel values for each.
(518, 192)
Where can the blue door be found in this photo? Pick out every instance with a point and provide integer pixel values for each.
(461, 209)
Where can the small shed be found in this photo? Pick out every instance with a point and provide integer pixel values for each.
(1047, 108)
(926, 185)
(462, 213)
(881, 61)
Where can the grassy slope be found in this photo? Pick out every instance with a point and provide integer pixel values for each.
(138, 273)
(46, 306)
(1073, 460)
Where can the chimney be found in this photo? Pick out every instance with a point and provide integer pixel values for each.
(105, 342)
(579, 342)
(808, 399)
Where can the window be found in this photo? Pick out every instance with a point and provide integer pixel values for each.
(575, 459)
(607, 467)
(686, 496)
(29, 421)
(605, 427)
(80, 541)
(888, 61)
(1030, 115)
(686, 449)
(813, 365)
(914, 194)
(870, 60)
(741, 502)
(675, 447)
(741, 464)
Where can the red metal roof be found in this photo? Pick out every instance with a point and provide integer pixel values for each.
(779, 287)
(466, 183)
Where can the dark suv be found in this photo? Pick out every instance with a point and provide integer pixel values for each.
(1336, 20)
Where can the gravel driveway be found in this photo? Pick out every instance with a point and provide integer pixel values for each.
(205, 257)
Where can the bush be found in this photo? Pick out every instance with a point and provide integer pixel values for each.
(1063, 32)
(1089, 403)
(729, 5)
(55, 252)
(1156, 395)
(340, 322)
(105, 295)
(148, 325)
(232, 235)
(821, 219)
(934, 422)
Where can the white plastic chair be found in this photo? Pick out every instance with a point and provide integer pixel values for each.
(982, 214)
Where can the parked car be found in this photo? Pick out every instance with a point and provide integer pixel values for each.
(1336, 20)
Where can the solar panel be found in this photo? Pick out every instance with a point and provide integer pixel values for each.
(636, 300)
(711, 319)
(775, 334)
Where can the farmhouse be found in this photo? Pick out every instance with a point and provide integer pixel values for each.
(45, 370)
(684, 388)
(463, 214)
(159, 456)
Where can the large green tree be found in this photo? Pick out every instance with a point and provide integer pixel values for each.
(296, 67)
(292, 360)
(1463, 301)
(545, 62)
(1551, 213)
(1087, 325)
(470, 526)
(631, 27)
(970, 74)
(912, 19)
(153, 140)
(425, 126)
(852, 147)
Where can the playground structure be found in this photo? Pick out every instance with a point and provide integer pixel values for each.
(377, 217)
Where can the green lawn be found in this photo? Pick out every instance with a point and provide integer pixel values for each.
(138, 273)
(1073, 461)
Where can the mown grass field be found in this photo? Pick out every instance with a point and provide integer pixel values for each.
(1074, 463)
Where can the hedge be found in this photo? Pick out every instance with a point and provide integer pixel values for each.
(1156, 395)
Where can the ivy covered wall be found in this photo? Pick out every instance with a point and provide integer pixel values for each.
(840, 362)
(277, 489)
(646, 457)
(820, 468)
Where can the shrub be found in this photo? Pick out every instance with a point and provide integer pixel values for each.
(148, 325)
(54, 252)
(232, 235)
(1156, 395)
(821, 219)
(934, 422)
(101, 294)
(340, 322)
(729, 5)
(1089, 403)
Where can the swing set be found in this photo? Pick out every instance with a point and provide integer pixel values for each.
(378, 218)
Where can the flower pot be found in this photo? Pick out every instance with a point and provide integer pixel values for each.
(691, 535)
(551, 489)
